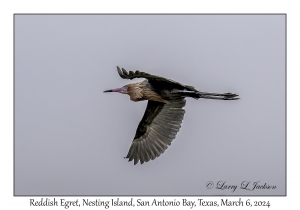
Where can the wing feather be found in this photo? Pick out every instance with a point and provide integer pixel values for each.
(147, 155)
(153, 151)
(153, 79)
(158, 127)
(142, 154)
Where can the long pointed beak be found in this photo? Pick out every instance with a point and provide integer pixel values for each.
(115, 90)
(108, 91)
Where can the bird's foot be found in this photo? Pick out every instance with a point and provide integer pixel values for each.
(230, 96)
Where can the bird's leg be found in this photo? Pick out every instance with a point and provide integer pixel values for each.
(198, 94)
(224, 96)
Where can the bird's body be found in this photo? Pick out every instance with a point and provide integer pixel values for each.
(164, 112)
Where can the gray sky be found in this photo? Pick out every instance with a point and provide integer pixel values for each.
(70, 137)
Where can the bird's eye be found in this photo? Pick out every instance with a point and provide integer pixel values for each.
(124, 88)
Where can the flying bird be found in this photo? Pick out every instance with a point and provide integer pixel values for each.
(164, 112)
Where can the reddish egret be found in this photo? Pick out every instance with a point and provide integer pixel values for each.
(164, 112)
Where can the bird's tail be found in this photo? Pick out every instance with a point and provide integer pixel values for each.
(198, 94)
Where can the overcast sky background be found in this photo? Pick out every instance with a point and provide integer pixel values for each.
(70, 137)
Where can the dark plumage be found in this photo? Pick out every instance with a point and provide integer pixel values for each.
(164, 113)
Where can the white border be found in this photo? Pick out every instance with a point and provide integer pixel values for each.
(8, 8)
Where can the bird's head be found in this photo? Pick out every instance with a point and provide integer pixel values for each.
(123, 90)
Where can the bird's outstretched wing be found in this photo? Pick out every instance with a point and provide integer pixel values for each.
(157, 129)
(154, 80)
